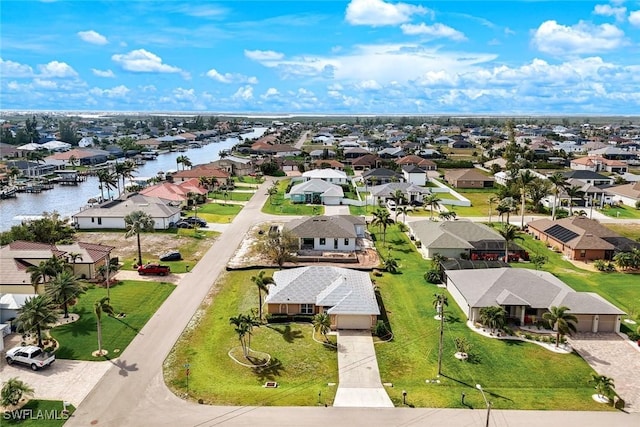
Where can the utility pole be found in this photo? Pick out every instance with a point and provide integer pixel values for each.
(441, 314)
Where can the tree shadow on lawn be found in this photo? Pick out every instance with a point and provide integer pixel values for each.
(80, 327)
(287, 333)
(137, 331)
(269, 372)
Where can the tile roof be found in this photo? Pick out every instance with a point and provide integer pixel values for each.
(345, 291)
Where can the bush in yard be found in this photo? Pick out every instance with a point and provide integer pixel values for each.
(381, 330)
(432, 276)
(602, 265)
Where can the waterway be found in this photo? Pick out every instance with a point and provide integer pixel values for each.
(69, 199)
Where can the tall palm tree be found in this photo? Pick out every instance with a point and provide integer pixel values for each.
(135, 223)
(440, 301)
(562, 322)
(506, 206)
(322, 323)
(107, 181)
(382, 219)
(73, 257)
(404, 210)
(510, 233)
(38, 274)
(559, 182)
(102, 306)
(272, 191)
(525, 179)
(186, 162)
(37, 313)
(179, 160)
(242, 329)
(63, 288)
(124, 170)
(432, 201)
(494, 317)
(13, 390)
(262, 283)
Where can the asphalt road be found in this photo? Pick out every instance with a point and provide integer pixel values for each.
(133, 393)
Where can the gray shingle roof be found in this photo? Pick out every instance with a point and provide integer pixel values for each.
(317, 186)
(345, 291)
(336, 226)
(453, 234)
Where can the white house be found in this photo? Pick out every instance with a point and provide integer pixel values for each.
(342, 233)
(414, 175)
(330, 175)
(316, 191)
(111, 214)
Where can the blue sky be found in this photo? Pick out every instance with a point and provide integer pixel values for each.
(331, 57)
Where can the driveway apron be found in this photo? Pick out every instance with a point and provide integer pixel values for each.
(359, 377)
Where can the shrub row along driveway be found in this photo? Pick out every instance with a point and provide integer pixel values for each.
(614, 357)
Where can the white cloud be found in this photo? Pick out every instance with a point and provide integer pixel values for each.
(368, 85)
(231, 77)
(93, 37)
(608, 10)
(102, 73)
(582, 38)
(143, 61)
(245, 93)
(436, 30)
(57, 69)
(380, 13)
(14, 69)
(634, 18)
(263, 55)
(270, 93)
(45, 84)
(115, 92)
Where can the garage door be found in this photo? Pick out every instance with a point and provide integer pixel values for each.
(354, 322)
(585, 322)
(607, 323)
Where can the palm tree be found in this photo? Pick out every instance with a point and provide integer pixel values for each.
(107, 181)
(322, 323)
(186, 162)
(560, 321)
(13, 390)
(102, 306)
(439, 303)
(506, 206)
(604, 386)
(38, 274)
(63, 288)
(272, 191)
(432, 201)
(73, 161)
(262, 283)
(179, 160)
(73, 257)
(135, 223)
(390, 264)
(242, 329)
(493, 317)
(37, 313)
(124, 170)
(510, 233)
(559, 182)
(382, 218)
(524, 180)
(404, 210)
(573, 192)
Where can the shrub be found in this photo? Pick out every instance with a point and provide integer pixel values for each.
(462, 345)
(402, 227)
(432, 276)
(602, 265)
(381, 330)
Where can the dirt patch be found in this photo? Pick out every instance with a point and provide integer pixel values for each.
(153, 244)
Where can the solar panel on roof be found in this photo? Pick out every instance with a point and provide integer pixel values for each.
(561, 234)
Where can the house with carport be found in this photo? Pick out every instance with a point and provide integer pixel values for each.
(526, 295)
(346, 295)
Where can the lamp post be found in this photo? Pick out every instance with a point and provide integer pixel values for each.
(187, 372)
(479, 387)
(404, 397)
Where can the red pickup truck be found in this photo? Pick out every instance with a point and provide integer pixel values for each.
(158, 269)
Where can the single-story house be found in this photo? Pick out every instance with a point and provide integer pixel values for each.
(346, 295)
(179, 192)
(589, 177)
(328, 233)
(367, 161)
(234, 165)
(381, 176)
(83, 156)
(382, 193)
(452, 239)
(526, 295)
(598, 163)
(580, 238)
(426, 164)
(468, 178)
(327, 164)
(316, 191)
(628, 194)
(208, 170)
(330, 175)
(17, 256)
(111, 214)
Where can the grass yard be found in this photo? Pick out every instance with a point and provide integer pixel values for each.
(515, 375)
(625, 212)
(278, 205)
(219, 212)
(360, 210)
(479, 203)
(301, 366)
(632, 231)
(139, 300)
(236, 196)
(248, 179)
(38, 413)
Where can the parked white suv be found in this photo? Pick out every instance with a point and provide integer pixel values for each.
(391, 205)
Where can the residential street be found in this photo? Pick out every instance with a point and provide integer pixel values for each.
(139, 397)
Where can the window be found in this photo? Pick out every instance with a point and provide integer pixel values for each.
(93, 219)
(306, 308)
(346, 242)
(323, 241)
(99, 220)
(583, 253)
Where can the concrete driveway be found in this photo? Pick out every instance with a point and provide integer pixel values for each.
(359, 377)
(614, 357)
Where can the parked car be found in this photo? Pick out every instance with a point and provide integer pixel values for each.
(194, 220)
(183, 224)
(391, 205)
(31, 356)
(161, 270)
(171, 256)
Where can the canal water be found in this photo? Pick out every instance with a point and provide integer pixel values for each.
(68, 199)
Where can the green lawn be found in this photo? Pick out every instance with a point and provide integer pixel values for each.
(631, 231)
(278, 205)
(231, 195)
(301, 366)
(248, 179)
(38, 413)
(479, 203)
(516, 375)
(139, 300)
(625, 212)
(360, 210)
(219, 212)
